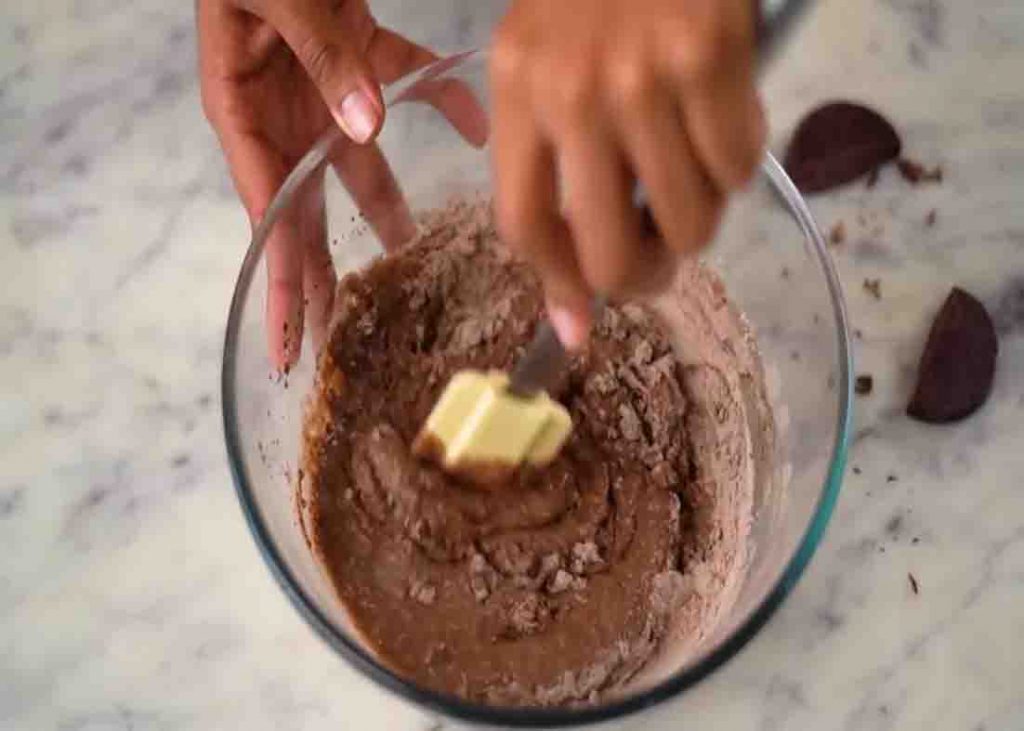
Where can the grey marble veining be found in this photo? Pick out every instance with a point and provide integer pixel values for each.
(131, 595)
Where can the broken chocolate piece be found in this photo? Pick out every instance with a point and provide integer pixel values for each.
(836, 144)
(863, 385)
(957, 367)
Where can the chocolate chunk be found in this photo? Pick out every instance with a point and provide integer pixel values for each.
(836, 144)
(955, 375)
(863, 385)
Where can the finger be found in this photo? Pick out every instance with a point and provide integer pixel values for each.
(318, 275)
(285, 312)
(392, 56)
(684, 202)
(457, 103)
(526, 202)
(606, 225)
(328, 38)
(366, 174)
(258, 172)
(716, 90)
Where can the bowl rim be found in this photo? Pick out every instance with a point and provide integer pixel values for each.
(451, 705)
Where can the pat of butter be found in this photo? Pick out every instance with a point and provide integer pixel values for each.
(477, 421)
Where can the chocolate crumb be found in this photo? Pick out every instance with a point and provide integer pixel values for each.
(785, 272)
(929, 220)
(915, 173)
(915, 540)
(864, 385)
(423, 592)
(893, 525)
(891, 477)
(873, 287)
(914, 587)
(858, 333)
(856, 470)
(837, 235)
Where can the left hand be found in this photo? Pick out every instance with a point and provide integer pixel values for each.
(275, 74)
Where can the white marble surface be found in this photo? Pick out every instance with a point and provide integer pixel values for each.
(131, 595)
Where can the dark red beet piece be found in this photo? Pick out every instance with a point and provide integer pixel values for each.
(958, 364)
(836, 144)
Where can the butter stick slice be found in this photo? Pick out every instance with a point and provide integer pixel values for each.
(479, 428)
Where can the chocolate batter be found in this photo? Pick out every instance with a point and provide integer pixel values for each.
(563, 584)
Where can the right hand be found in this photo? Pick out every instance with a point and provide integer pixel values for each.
(275, 74)
(592, 97)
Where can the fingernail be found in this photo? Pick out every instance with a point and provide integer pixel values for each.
(571, 330)
(358, 116)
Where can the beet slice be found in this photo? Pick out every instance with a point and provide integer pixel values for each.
(955, 375)
(836, 144)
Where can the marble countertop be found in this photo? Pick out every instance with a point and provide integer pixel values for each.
(131, 594)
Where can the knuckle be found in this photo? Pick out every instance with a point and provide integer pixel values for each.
(698, 48)
(630, 81)
(509, 56)
(572, 93)
(692, 62)
(317, 56)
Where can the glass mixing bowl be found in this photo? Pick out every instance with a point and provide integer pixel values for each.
(774, 263)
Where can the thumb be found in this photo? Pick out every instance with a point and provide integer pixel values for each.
(328, 46)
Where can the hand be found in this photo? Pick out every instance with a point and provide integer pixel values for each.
(593, 96)
(274, 75)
